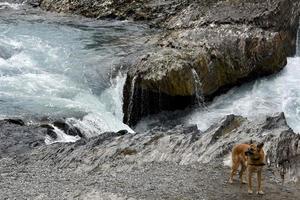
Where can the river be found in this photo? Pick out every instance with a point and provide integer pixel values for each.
(55, 66)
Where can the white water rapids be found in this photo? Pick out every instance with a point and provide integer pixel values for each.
(57, 66)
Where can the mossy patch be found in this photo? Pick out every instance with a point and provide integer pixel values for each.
(154, 139)
(126, 151)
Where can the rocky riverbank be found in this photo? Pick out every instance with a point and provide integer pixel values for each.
(204, 48)
(162, 163)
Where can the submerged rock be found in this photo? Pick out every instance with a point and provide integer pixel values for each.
(15, 121)
(67, 128)
(6, 52)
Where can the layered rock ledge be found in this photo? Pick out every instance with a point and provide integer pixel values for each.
(160, 163)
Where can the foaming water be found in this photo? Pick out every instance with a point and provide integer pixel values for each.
(4, 5)
(58, 66)
(61, 137)
(277, 93)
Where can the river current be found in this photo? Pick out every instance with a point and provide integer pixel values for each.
(58, 66)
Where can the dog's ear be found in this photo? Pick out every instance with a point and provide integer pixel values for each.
(251, 142)
(260, 145)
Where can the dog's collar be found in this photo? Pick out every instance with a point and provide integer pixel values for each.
(260, 164)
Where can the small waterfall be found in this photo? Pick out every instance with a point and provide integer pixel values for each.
(297, 44)
(108, 116)
(130, 106)
(198, 89)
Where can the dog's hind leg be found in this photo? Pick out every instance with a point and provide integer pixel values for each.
(243, 169)
(235, 166)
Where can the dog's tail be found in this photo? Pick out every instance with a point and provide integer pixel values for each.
(227, 160)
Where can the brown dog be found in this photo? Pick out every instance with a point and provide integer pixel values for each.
(250, 157)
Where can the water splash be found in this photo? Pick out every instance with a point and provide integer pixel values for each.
(61, 137)
(112, 97)
(298, 43)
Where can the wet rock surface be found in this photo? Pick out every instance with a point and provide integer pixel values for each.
(162, 163)
(16, 138)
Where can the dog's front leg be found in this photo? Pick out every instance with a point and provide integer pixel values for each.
(259, 190)
(250, 182)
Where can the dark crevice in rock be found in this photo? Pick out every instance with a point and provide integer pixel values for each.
(142, 102)
(15, 121)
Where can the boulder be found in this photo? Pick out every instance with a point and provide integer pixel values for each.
(206, 49)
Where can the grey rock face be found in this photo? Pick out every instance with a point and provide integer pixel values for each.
(150, 10)
(182, 145)
(162, 163)
(16, 138)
